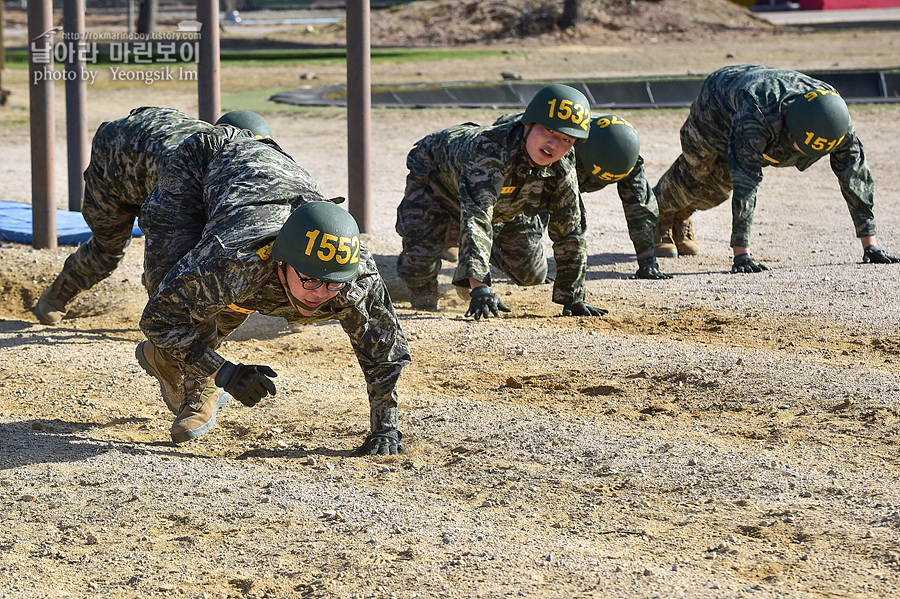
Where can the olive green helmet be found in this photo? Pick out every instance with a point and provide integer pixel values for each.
(321, 241)
(560, 108)
(611, 149)
(818, 121)
(245, 119)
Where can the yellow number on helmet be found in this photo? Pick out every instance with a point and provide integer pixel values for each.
(327, 244)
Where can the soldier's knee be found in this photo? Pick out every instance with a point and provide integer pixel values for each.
(529, 277)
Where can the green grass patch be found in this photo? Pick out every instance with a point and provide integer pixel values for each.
(18, 58)
(324, 56)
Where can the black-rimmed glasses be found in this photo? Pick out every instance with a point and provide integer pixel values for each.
(310, 284)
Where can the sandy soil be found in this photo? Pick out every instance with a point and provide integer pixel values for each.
(714, 436)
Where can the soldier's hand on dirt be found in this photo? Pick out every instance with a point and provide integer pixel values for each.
(484, 303)
(583, 309)
(875, 255)
(246, 383)
(746, 263)
(386, 442)
(648, 268)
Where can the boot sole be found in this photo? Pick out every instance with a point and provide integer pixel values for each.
(149, 369)
(666, 253)
(180, 437)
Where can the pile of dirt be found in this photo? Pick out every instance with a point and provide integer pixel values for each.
(449, 22)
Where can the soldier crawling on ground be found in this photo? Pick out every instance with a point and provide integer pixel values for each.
(233, 227)
(748, 117)
(127, 158)
(501, 187)
(612, 154)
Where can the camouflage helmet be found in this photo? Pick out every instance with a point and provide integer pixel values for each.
(321, 241)
(818, 121)
(611, 149)
(560, 108)
(245, 119)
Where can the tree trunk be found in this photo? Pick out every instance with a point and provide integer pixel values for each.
(570, 15)
(147, 16)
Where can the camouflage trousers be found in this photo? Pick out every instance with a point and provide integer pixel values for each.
(425, 224)
(109, 210)
(172, 232)
(699, 179)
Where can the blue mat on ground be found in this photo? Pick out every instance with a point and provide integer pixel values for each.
(16, 225)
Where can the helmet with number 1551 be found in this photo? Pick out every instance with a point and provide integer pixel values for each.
(560, 108)
(818, 121)
(321, 241)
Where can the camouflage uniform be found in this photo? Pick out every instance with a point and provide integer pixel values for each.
(735, 128)
(638, 201)
(127, 158)
(480, 180)
(210, 224)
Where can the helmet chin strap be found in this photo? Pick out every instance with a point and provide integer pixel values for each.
(300, 306)
(528, 129)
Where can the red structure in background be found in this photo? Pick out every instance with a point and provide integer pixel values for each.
(845, 4)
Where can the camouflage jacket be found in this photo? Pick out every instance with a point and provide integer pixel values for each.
(484, 175)
(741, 112)
(246, 192)
(132, 151)
(638, 200)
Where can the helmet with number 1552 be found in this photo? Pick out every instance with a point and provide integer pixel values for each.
(321, 241)
(560, 108)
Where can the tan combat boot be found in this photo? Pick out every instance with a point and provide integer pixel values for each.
(198, 412)
(166, 372)
(450, 252)
(665, 245)
(683, 234)
(51, 307)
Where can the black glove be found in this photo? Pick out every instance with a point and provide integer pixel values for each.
(247, 384)
(648, 268)
(875, 255)
(746, 263)
(583, 309)
(386, 442)
(484, 303)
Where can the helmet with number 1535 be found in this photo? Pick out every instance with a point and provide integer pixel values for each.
(560, 108)
(321, 241)
(611, 151)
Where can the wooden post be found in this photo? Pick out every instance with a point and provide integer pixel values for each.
(40, 102)
(359, 113)
(76, 101)
(208, 81)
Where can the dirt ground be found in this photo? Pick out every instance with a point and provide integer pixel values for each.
(715, 435)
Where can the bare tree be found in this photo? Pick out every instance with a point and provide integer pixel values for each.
(571, 14)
